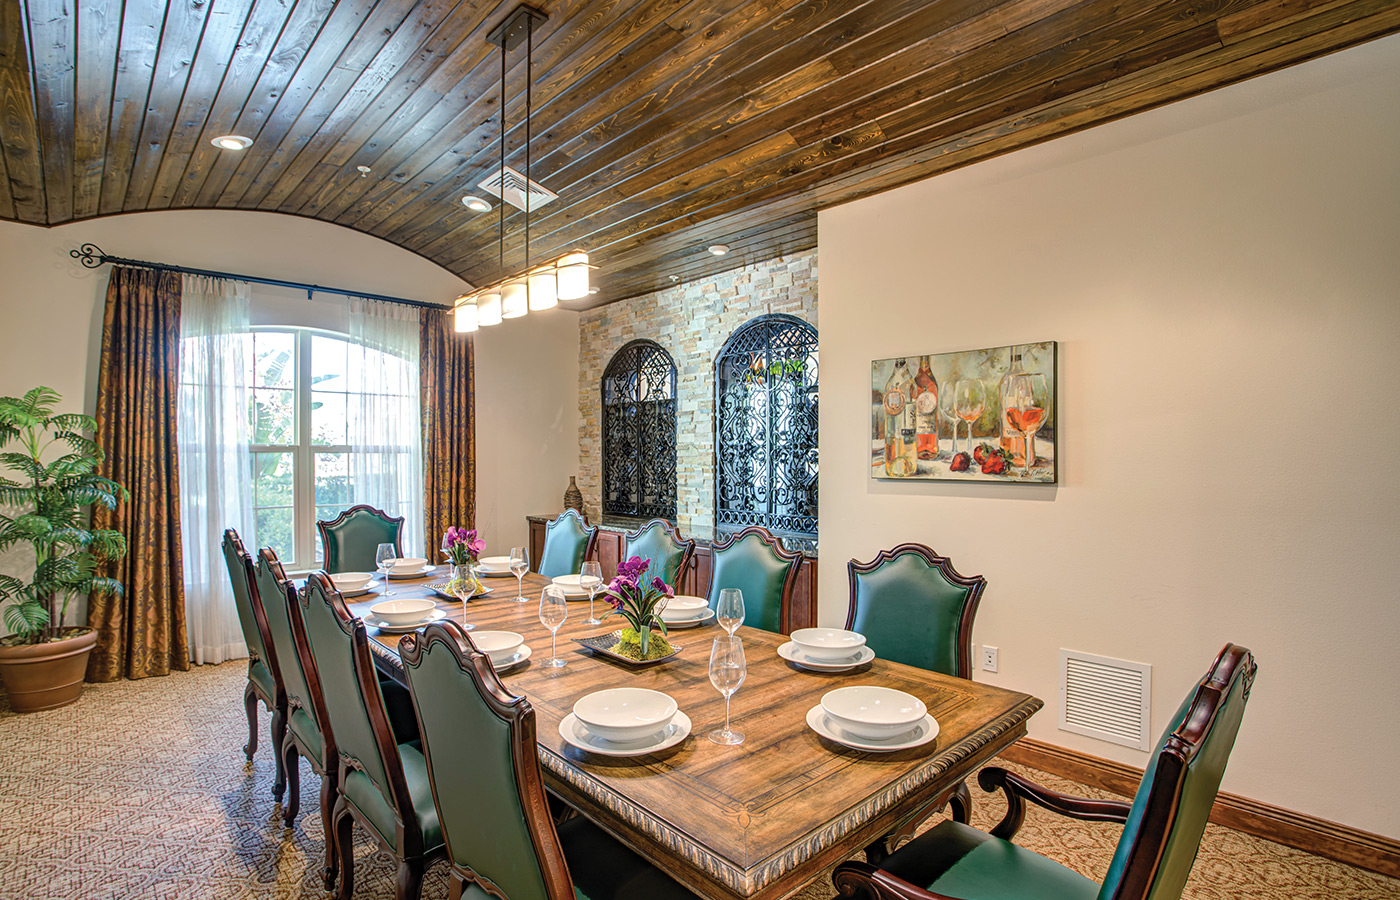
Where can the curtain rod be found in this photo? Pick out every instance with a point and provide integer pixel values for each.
(91, 256)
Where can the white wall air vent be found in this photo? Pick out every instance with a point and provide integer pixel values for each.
(1104, 698)
(514, 188)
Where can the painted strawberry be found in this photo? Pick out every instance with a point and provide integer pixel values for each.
(996, 463)
(980, 455)
(960, 463)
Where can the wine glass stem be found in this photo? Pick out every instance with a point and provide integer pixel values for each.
(726, 712)
(590, 606)
(554, 644)
(1030, 452)
(520, 587)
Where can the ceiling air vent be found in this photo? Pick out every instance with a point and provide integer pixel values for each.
(1105, 698)
(514, 189)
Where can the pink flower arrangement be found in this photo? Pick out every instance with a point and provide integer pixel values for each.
(640, 605)
(462, 546)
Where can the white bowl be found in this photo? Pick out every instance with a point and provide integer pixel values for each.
(495, 563)
(403, 612)
(500, 646)
(407, 565)
(681, 601)
(351, 581)
(669, 615)
(625, 715)
(875, 713)
(827, 644)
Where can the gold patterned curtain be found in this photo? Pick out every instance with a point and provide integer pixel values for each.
(142, 632)
(449, 426)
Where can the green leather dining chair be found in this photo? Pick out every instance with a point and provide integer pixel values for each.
(568, 541)
(351, 539)
(383, 776)
(660, 543)
(484, 771)
(264, 677)
(754, 561)
(914, 608)
(302, 736)
(1162, 827)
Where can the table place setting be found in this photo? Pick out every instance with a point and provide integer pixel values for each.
(826, 649)
(507, 650)
(494, 567)
(687, 612)
(354, 584)
(878, 719)
(625, 722)
(403, 615)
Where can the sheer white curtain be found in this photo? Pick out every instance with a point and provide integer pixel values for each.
(215, 476)
(384, 425)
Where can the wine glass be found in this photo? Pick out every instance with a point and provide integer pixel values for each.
(554, 609)
(1028, 405)
(384, 556)
(591, 577)
(730, 609)
(727, 671)
(946, 411)
(519, 565)
(463, 588)
(969, 400)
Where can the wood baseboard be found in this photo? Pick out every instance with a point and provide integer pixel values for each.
(1284, 826)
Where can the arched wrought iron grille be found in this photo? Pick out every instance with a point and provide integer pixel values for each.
(639, 432)
(766, 427)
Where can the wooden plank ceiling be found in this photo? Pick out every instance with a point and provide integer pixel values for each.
(663, 125)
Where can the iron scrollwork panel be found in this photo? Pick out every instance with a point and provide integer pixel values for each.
(639, 432)
(766, 427)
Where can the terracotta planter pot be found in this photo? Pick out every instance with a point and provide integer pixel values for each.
(45, 676)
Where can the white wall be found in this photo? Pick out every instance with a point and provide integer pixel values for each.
(1223, 279)
(526, 370)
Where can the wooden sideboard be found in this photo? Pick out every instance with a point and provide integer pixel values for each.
(612, 543)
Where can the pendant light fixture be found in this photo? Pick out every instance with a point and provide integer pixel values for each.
(534, 287)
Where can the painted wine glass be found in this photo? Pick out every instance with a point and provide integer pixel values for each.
(590, 578)
(969, 401)
(727, 671)
(1026, 410)
(519, 565)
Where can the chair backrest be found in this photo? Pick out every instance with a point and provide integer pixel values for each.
(484, 768)
(1173, 802)
(754, 561)
(351, 538)
(278, 596)
(251, 617)
(659, 542)
(338, 649)
(913, 608)
(568, 541)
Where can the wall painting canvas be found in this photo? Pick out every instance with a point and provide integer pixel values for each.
(973, 415)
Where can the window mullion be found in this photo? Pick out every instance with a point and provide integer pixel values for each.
(305, 498)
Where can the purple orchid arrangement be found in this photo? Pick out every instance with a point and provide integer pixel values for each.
(635, 599)
(462, 545)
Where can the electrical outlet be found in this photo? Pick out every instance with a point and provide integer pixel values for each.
(989, 658)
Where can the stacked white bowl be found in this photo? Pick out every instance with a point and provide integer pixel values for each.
(873, 713)
(499, 646)
(681, 609)
(407, 565)
(351, 582)
(827, 644)
(625, 715)
(409, 611)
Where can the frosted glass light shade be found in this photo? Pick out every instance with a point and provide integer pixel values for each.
(543, 289)
(513, 300)
(488, 309)
(573, 276)
(465, 318)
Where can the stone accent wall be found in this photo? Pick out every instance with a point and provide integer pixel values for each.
(692, 321)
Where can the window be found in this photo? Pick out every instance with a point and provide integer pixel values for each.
(766, 427)
(639, 433)
(309, 399)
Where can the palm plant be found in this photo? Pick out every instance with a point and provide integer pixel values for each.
(50, 502)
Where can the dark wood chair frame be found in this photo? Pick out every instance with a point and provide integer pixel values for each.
(687, 545)
(589, 547)
(862, 879)
(322, 759)
(324, 526)
(409, 879)
(959, 798)
(792, 557)
(276, 704)
(520, 718)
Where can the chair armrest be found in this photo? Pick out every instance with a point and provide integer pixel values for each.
(1020, 789)
(861, 879)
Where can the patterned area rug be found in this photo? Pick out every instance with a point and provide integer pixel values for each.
(141, 790)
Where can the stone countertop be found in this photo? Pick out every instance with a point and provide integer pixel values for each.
(623, 525)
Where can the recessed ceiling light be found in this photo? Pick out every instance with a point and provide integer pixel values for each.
(232, 142)
(719, 249)
(475, 204)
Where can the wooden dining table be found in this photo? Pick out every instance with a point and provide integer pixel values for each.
(756, 820)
